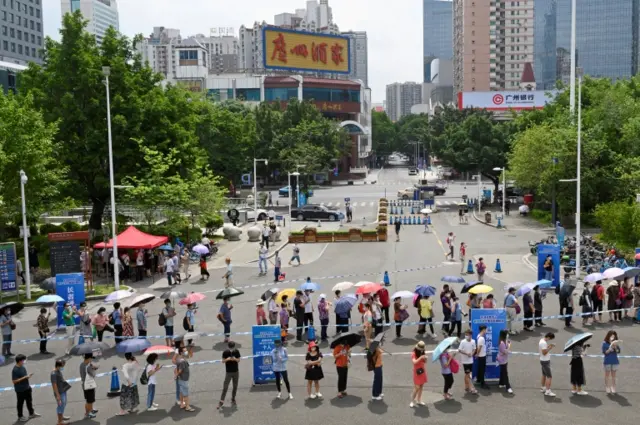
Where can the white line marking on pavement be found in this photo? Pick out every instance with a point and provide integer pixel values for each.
(337, 204)
(329, 204)
(371, 204)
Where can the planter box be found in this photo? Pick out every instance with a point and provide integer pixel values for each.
(324, 237)
(382, 218)
(297, 238)
(382, 236)
(382, 210)
(310, 235)
(341, 237)
(369, 237)
(355, 235)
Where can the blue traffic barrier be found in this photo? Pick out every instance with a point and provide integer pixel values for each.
(419, 220)
(498, 268)
(401, 210)
(414, 220)
(311, 334)
(469, 267)
(114, 391)
(429, 220)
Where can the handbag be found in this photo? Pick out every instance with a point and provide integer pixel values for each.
(517, 308)
(89, 382)
(454, 366)
(419, 371)
(404, 315)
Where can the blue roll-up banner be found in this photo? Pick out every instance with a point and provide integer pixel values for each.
(69, 286)
(560, 235)
(495, 320)
(263, 338)
(554, 252)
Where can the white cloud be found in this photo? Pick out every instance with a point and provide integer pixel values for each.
(394, 28)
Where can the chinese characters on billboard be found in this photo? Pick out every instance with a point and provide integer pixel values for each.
(8, 273)
(303, 51)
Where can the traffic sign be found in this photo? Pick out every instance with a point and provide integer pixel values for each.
(347, 199)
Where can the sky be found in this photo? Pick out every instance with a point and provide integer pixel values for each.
(394, 32)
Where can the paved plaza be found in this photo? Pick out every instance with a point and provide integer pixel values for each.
(419, 258)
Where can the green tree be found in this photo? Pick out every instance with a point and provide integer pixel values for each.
(383, 134)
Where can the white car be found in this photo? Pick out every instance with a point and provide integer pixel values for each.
(406, 193)
(251, 215)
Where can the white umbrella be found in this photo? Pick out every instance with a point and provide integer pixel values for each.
(513, 285)
(117, 296)
(594, 277)
(402, 294)
(362, 283)
(426, 211)
(342, 286)
(141, 299)
(613, 272)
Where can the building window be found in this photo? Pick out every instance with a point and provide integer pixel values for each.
(20, 35)
(40, 42)
(33, 39)
(282, 94)
(31, 10)
(5, 45)
(19, 49)
(38, 25)
(33, 52)
(252, 95)
(26, 51)
(37, 13)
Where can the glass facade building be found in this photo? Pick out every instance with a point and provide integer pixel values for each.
(607, 36)
(437, 32)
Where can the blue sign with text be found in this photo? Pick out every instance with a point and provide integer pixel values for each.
(560, 234)
(263, 338)
(8, 273)
(554, 252)
(495, 320)
(69, 286)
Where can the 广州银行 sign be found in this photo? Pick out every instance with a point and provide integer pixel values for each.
(304, 51)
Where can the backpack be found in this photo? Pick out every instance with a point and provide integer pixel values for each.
(162, 319)
(112, 321)
(454, 366)
(185, 323)
(144, 379)
(370, 364)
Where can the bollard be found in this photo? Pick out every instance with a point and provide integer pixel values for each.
(419, 220)
(319, 223)
(499, 225)
(498, 268)
(414, 220)
(429, 220)
(469, 267)
(401, 210)
(115, 383)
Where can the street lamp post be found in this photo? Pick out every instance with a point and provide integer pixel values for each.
(504, 187)
(296, 174)
(255, 186)
(572, 87)
(106, 71)
(25, 233)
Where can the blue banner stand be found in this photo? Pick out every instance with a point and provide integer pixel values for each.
(262, 338)
(495, 320)
(70, 287)
(637, 265)
(554, 252)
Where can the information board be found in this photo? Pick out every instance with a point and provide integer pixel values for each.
(8, 274)
(495, 320)
(554, 252)
(263, 338)
(69, 286)
(65, 257)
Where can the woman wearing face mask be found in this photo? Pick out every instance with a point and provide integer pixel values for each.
(68, 318)
(129, 397)
(101, 322)
(190, 320)
(314, 372)
(419, 358)
(611, 349)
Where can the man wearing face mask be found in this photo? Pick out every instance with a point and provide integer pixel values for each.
(467, 349)
(182, 377)
(20, 379)
(68, 318)
(7, 326)
(60, 388)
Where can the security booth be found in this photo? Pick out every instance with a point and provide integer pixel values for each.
(427, 194)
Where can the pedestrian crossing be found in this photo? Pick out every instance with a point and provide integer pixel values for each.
(373, 203)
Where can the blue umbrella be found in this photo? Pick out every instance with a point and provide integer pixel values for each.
(452, 279)
(166, 247)
(631, 272)
(425, 290)
(309, 286)
(544, 284)
(136, 345)
(437, 352)
(525, 289)
(345, 304)
(48, 299)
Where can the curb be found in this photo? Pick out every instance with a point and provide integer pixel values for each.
(271, 255)
(487, 224)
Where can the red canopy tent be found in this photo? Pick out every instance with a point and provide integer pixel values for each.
(133, 238)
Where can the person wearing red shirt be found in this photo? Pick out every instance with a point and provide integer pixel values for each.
(386, 303)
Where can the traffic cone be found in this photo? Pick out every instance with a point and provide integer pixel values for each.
(498, 267)
(115, 384)
(469, 267)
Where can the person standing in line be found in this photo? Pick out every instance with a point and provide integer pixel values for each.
(467, 350)
(269, 200)
(277, 264)
(230, 358)
(398, 226)
(425, 310)
(43, 329)
(20, 270)
(376, 307)
(69, 320)
(308, 309)
(224, 315)
(60, 388)
(385, 303)
(127, 324)
(272, 306)
(263, 251)
(445, 369)
(481, 355)
(489, 302)
(182, 374)
(313, 373)
(610, 350)
(116, 318)
(400, 314)
(544, 347)
(456, 317)
(228, 275)
(168, 312)
(89, 385)
(261, 315)
(101, 322)
(296, 254)
(284, 321)
(129, 396)
(548, 268)
(418, 358)
(342, 357)
(298, 306)
(20, 379)
(190, 320)
(445, 299)
(597, 295)
(266, 232)
(577, 369)
(141, 318)
(176, 267)
(150, 369)
(569, 304)
(323, 314)
(463, 255)
(504, 348)
(587, 305)
(512, 307)
(374, 363)
(185, 263)
(168, 268)
(279, 357)
(528, 311)
(140, 266)
(203, 268)
(481, 268)
(85, 328)
(537, 307)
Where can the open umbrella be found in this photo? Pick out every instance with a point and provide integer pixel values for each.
(289, 292)
(469, 285)
(631, 272)
(192, 298)
(425, 290)
(402, 294)
(594, 277)
(228, 293)
(543, 284)
(426, 211)
(269, 293)
(95, 348)
(525, 289)
(49, 284)
(377, 342)
(362, 283)
(49, 299)
(613, 273)
(577, 340)
(351, 339)
(158, 349)
(134, 345)
(345, 304)
(480, 289)
(171, 295)
(200, 249)
(309, 286)
(342, 286)
(440, 348)
(13, 306)
(369, 288)
(117, 296)
(141, 299)
(187, 336)
(166, 247)
(452, 279)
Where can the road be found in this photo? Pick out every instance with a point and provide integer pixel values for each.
(417, 259)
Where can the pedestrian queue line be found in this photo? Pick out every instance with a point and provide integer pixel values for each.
(292, 329)
(401, 353)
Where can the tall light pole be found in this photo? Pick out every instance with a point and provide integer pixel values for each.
(572, 91)
(106, 71)
(255, 186)
(504, 187)
(25, 233)
(296, 174)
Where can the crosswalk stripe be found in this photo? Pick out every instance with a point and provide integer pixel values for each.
(329, 204)
(337, 204)
(371, 204)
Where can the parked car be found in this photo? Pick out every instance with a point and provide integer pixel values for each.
(251, 215)
(315, 212)
(413, 171)
(284, 191)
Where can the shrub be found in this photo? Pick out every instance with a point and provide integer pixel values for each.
(325, 232)
(297, 232)
(620, 222)
(47, 228)
(70, 226)
(369, 232)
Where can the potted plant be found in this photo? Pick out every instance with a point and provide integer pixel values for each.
(341, 236)
(324, 236)
(382, 210)
(382, 218)
(382, 232)
(354, 235)
(310, 234)
(296, 236)
(369, 235)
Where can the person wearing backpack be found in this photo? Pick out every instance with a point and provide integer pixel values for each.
(587, 305)
(374, 364)
(597, 296)
(481, 267)
(166, 319)
(148, 378)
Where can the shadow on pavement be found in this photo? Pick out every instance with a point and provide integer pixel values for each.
(404, 341)
(221, 346)
(621, 400)
(348, 401)
(448, 406)
(421, 412)
(378, 407)
(585, 401)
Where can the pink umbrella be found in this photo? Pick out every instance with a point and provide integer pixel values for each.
(193, 298)
(369, 288)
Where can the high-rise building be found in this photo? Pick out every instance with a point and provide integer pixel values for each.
(607, 39)
(401, 97)
(101, 15)
(472, 45)
(21, 32)
(358, 50)
(514, 32)
(437, 32)
(317, 17)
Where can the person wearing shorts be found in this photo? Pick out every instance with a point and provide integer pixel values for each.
(544, 347)
(168, 312)
(180, 359)
(467, 350)
(296, 254)
(88, 369)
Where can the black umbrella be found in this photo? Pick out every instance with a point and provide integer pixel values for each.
(269, 293)
(15, 307)
(469, 285)
(351, 339)
(228, 293)
(141, 299)
(95, 348)
(377, 341)
(577, 339)
(49, 284)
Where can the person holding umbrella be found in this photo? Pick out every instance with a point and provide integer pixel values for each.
(400, 314)
(587, 305)
(578, 349)
(537, 306)
(86, 330)
(418, 358)
(224, 315)
(279, 357)
(166, 320)
(42, 324)
(342, 355)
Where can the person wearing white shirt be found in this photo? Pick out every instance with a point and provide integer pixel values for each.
(168, 267)
(263, 251)
(481, 355)
(467, 350)
(544, 347)
(308, 309)
(129, 398)
(151, 368)
(272, 306)
(266, 232)
(176, 269)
